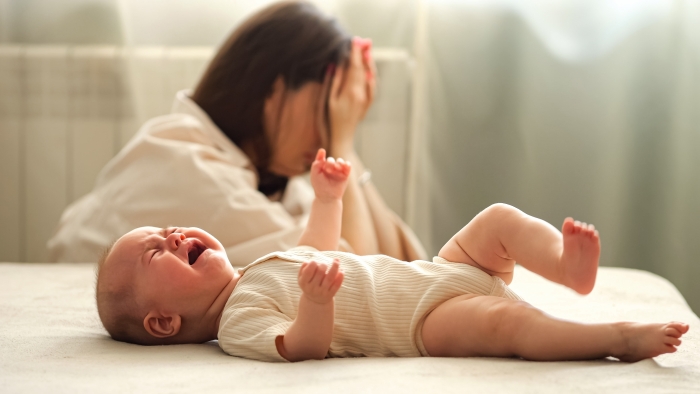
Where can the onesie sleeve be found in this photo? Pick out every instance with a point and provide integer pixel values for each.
(250, 332)
(303, 248)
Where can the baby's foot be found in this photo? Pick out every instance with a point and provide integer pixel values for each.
(649, 340)
(579, 260)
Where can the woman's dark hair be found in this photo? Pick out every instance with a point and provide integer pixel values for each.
(294, 40)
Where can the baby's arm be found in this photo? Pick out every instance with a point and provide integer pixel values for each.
(310, 335)
(329, 179)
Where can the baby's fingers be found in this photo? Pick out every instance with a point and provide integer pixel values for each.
(335, 168)
(307, 272)
(319, 275)
(331, 166)
(331, 274)
(336, 283)
(344, 166)
(320, 161)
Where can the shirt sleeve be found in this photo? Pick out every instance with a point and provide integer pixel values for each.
(171, 174)
(303, 248)
(250, 332)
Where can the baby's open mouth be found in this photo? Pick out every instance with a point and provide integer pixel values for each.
(195, 251)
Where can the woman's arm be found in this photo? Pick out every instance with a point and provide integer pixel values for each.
(368, 225)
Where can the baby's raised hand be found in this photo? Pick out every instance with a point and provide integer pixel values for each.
(329, 177)
(318, 282)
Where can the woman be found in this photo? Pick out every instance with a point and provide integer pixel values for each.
(288, 81)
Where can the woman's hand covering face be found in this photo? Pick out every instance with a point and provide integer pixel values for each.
(295, 119)
(352, 91)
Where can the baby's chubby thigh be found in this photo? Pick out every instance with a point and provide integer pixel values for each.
(471, 325)
(452, 252)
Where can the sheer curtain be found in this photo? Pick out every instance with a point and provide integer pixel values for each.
(580, 108)
(584, 108)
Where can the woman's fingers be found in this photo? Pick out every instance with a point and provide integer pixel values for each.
(367, 59)
(356, 81)
(371, 82)
(356, 69)
(321, 118)
(348, 98)
(370, 68)
(372, 64)
(337, 85)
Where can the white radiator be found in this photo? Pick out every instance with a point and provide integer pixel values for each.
(66, 110)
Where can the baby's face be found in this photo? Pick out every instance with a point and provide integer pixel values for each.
(175, 269)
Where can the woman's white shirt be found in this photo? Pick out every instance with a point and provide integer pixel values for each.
(181, 170)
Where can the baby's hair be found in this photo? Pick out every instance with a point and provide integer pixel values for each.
(103, 257)
(118, 309)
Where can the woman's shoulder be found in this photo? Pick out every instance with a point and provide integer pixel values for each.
(178, 141)
(179, 127)
(177, 133)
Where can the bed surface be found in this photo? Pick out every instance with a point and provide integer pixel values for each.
(51, 340)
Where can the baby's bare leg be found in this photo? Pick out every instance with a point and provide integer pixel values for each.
(487, 326)
(500, 235)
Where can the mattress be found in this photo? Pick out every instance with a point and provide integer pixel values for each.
(51, 340)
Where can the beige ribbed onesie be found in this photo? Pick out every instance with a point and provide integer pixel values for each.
(379, 309)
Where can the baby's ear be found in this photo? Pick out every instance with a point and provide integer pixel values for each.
(162, 325)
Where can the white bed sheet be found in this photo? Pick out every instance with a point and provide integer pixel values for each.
(51, 341)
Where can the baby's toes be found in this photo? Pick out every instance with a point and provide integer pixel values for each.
(672, 341)
(585, 229)
(672, 332)
(568, 226)
(590, 230)
(681, 327)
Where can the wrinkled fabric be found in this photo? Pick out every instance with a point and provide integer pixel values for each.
(52, 341)
(379, 310)
(181, 170)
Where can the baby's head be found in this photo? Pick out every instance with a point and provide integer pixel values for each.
(162, 286)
